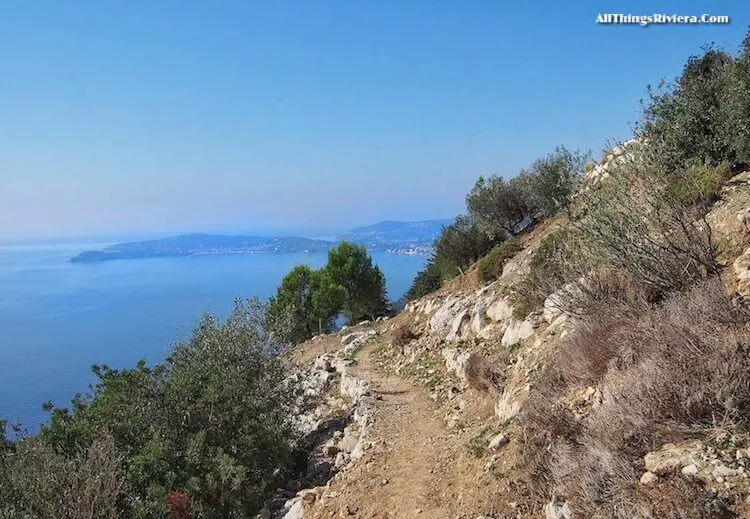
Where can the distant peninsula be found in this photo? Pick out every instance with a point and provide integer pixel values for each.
(201, 245)
(413, 238)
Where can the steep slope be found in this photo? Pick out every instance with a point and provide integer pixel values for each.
(442, 388)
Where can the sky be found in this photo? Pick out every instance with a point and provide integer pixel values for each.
(293, 116)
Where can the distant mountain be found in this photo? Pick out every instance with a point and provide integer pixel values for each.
(392, 234)
(202, 244)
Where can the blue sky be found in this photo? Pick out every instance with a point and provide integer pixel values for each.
(165, 116)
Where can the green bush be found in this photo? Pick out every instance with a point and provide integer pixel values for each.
(555, 263)
(491, 266)
(701, 117)
(696, 185)
(459, 245)
(211, 422)
(426, 281)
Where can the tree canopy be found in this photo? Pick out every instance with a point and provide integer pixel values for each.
(306, 303)
(351, 267)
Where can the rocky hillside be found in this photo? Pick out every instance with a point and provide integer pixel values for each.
(459, 407)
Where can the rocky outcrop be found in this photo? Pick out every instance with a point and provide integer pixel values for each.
(335, 423)
(722, 467)
(618, 155)
(483, 313)
(517, 331)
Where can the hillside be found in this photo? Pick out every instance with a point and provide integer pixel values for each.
(443, 404)
(392, 234)
(576, 346)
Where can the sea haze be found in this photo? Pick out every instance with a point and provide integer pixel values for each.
(57, 317)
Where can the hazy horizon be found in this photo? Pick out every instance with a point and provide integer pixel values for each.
(123, 118)
(105, 237)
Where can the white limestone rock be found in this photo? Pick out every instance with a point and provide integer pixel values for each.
(517, 331)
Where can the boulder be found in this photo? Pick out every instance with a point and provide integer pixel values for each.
(456, 361)
(443, 315)
(500, 310)
(456, 326)
(491, 332)
(354, 341)
(517, 331)
(497, 442)
(690, 470)
(293, 509)
(342, 458)
(353, 387)
(349, 441)
(672, 457)
(648, 478)
(554, 510)
(323, 363)
(507, 407)
(477, 319)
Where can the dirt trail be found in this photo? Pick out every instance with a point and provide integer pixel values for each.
(417, 468)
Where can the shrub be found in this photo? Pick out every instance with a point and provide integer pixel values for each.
(306, 303)
(426, 281)
(491, 266)
(556, 262)
(458, 246)
(212, 422)
(179, 506)
(631, 225)
(485, 374)
(698, 184)
(43, 484)
(669, 372)
(701, 117)
(636, 224)
(503, 209)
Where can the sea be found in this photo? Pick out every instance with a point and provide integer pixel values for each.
(57, 318)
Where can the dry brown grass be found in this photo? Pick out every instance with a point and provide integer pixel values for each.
(484, 373)
(402, 335)
(669, 372)
(48, 485)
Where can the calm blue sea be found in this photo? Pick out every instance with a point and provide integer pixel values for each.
(58, 318)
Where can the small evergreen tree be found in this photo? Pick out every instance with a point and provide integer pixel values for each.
(306, 303)
(426, 281)
(350, 266)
